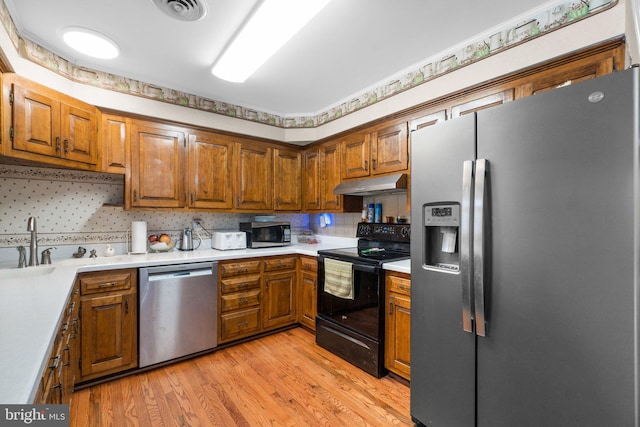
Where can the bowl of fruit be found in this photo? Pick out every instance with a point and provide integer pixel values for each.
(160, 243)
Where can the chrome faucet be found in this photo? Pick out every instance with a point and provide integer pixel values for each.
(33, 245)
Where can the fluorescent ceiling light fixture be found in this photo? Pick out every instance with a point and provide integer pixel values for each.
(270, 27)
(90, 42)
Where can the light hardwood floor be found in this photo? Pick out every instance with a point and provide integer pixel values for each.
(279, 380)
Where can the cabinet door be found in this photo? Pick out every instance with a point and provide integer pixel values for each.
(390, 150)
(279, 302)
(108, 334)
(308, 298)
(428, 120)
(114, 143)
(311, 180)
(157, 166)
(210, 165)
(254, 177)
(330, 175)
(398, 335)
(480, 102)
(79, 130)
(287, 179)
(569, 74)
(355, 155)
(36, 122)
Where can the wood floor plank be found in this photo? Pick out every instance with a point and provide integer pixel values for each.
(283, 379)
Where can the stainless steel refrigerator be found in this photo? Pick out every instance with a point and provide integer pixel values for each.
(525, 246)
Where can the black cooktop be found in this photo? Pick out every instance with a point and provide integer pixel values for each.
(378, 243)
(372, 254)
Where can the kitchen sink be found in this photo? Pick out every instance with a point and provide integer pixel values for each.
(17, 273)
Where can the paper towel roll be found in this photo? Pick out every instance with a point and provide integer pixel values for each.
(138, 237)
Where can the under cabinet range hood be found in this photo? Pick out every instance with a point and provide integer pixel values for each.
(396, 183)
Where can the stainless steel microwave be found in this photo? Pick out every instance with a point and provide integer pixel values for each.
(266, 234)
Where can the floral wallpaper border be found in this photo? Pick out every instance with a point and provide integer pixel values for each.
(558, 15)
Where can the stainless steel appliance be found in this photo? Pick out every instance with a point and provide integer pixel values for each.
(525, 261)
(266, 234)
(178, 311)
(186, 241)
(350, 320)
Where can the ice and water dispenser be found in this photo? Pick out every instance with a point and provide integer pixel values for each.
(441, 231)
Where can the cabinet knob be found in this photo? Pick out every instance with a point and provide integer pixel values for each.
(66, 145)
(57, 143)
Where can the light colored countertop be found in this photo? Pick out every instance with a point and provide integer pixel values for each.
(32, 302)
(403, 266)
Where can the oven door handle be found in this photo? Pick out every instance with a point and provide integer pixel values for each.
(366, 268)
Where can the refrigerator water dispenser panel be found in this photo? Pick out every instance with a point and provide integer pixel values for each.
(441, 230)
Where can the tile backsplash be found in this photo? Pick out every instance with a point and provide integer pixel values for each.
(75, 208)
(345, 224)
(86, 208)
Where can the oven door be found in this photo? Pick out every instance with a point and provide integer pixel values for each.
(363, 313)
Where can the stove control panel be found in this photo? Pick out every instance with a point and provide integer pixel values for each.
(386, 232)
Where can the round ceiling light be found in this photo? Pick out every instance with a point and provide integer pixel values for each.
(90, 42)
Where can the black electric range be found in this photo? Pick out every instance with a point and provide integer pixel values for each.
(352, 326)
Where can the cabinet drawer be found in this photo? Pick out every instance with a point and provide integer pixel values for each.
(308, 264)
(399, 283)
(105, 282)
(236, 268)
(239, 300)
(241, 283)
(279, 264)
(238, 323)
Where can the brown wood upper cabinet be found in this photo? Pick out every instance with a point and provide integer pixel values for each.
(157, 168)
(254, 176)
(287, 176)
(47, 126)
(322, 166)
(383, 149)
(311, 180)
(209, 178)
(114, 143)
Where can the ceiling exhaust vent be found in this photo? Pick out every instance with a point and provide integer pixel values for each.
(184, 10)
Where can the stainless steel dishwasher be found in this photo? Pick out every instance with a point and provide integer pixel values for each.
(178, 311)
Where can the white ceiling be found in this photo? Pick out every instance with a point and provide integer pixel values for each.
(349, 47)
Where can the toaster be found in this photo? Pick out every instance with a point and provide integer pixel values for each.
(226, 240)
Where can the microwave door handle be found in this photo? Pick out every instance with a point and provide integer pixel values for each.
(480, 210)
(466, 230)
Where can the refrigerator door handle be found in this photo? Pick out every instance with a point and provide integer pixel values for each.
(479, 211)
(466, 229)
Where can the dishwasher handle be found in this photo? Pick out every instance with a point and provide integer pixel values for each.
(179, 271)
(180, 274)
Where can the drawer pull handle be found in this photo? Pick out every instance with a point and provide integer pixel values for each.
(245, 323)
(55, 362)
(243, 301)
(404, 288)
(107, 284)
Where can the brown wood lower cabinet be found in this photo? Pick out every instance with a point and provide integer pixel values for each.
(397, 354)
(57, 381)
(308, 291)
(256, 295)
(108, 322)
